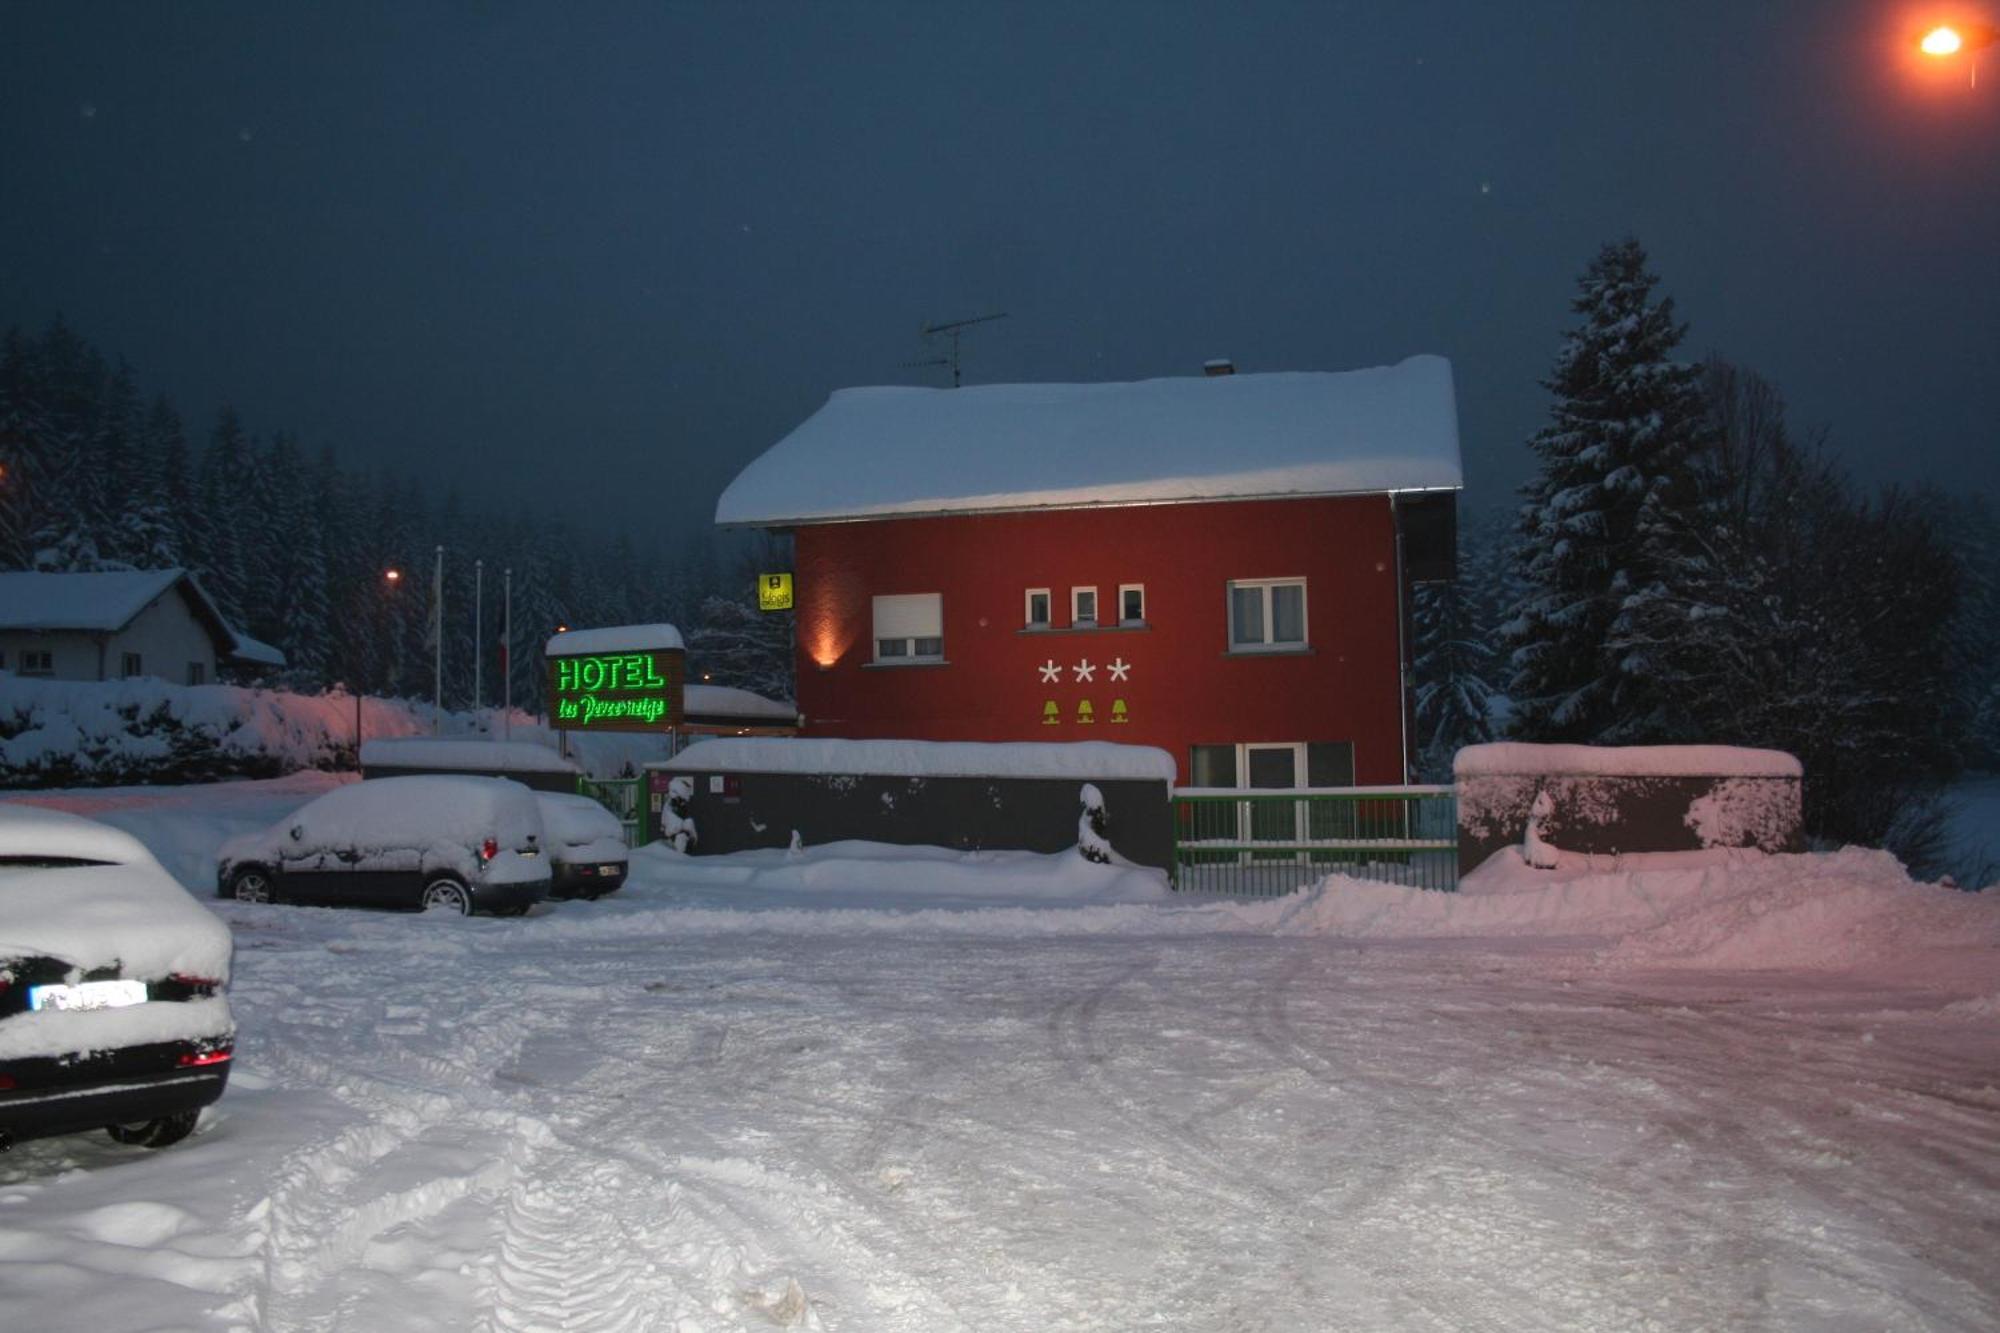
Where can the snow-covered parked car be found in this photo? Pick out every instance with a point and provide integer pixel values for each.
(112, 1007)
(459, 844)
(585, 845)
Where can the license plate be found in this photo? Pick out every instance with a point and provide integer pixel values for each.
(88, 995)
(611, 869)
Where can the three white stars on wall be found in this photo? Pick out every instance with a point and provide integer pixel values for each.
(1086, 670)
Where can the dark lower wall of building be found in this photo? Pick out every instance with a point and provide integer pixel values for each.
(536, 781)
(736, 812)
(1606, 815)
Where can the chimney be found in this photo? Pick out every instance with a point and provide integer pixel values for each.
(1221, 365)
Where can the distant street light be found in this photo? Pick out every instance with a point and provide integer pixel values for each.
(392, 576)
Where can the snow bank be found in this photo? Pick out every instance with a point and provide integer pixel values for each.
(874, 451)
(925, 759)
(1852, 910)
(1517, 758)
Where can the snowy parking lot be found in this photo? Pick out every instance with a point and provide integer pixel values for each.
(858, 1090)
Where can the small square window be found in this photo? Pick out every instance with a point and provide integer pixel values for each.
(38, 662)
(1083, 606)
(1038, 608)
(197, 673)
(1267, 615)
(131, 666)
(1131, 603)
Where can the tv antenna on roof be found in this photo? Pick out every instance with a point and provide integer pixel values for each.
(954, 328)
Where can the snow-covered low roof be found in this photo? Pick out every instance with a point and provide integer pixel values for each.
(884, 451)
(730, 702)
(107, 601)
(925, 759)
(1519, 759)
(613, 639)
(98, 603)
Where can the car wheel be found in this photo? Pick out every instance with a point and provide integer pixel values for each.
(253, 884)
(168, 1129)
(447, 895)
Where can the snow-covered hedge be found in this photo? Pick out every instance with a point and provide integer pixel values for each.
(1606, 799)
(60, 733)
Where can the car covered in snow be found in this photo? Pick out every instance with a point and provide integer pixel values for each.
(585, 844)
(457, 844)
(112, 1007)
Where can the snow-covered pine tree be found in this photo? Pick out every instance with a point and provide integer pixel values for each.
(160, 487)
(1453, 696)
(1606, 527)
(739, 646)
(220, 544)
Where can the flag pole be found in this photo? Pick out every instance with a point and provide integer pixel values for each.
(478, 638)
(437, 643)
(507, 653)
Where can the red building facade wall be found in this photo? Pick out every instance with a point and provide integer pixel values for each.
(1173, 681)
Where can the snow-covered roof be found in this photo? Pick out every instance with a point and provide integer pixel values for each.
(613, 639)
(470, 756)
(1518, 758)
(727, 701)
(875, 452)
(925, 759)
(106, 602)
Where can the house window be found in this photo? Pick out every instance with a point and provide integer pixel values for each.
(909, 628)
(1038, 608)
(1267, 615)
(197, 673)
(1131, 603)
(131, 667)
(1083, 606)
(38, 662)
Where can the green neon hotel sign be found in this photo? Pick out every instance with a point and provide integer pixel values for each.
(637, 691)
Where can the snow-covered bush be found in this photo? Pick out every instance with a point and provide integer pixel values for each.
(676, 820)
(1090, 825)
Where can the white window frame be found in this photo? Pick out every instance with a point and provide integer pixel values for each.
(38, 662)
(131, 665)
(1048, 608)
(1267, 644)
(1075, 596)
(1124, 588)
(916, 625)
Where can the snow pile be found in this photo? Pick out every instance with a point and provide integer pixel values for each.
(1852, 910)
(877, 451)
(926, 759)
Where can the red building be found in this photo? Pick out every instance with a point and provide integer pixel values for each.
(1217, 565)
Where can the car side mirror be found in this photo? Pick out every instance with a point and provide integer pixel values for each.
(298, 831)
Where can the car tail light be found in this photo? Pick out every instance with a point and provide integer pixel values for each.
(489, 849)
(211, 1055)
(196, 986)
(6, 1082)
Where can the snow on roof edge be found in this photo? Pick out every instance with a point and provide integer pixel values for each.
(614, 639)
(942, 759)
(1524, 759)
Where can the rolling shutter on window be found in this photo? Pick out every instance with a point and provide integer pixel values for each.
(910, 616)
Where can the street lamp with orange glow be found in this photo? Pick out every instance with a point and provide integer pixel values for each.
(1952, 39)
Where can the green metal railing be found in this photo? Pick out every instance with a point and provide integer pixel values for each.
(623, 797)
(1267, 843)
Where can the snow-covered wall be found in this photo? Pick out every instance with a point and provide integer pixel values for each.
(1606, 799)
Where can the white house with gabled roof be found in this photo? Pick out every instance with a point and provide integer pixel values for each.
(119, 624)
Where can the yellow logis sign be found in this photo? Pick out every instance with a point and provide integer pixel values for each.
(774, 592)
